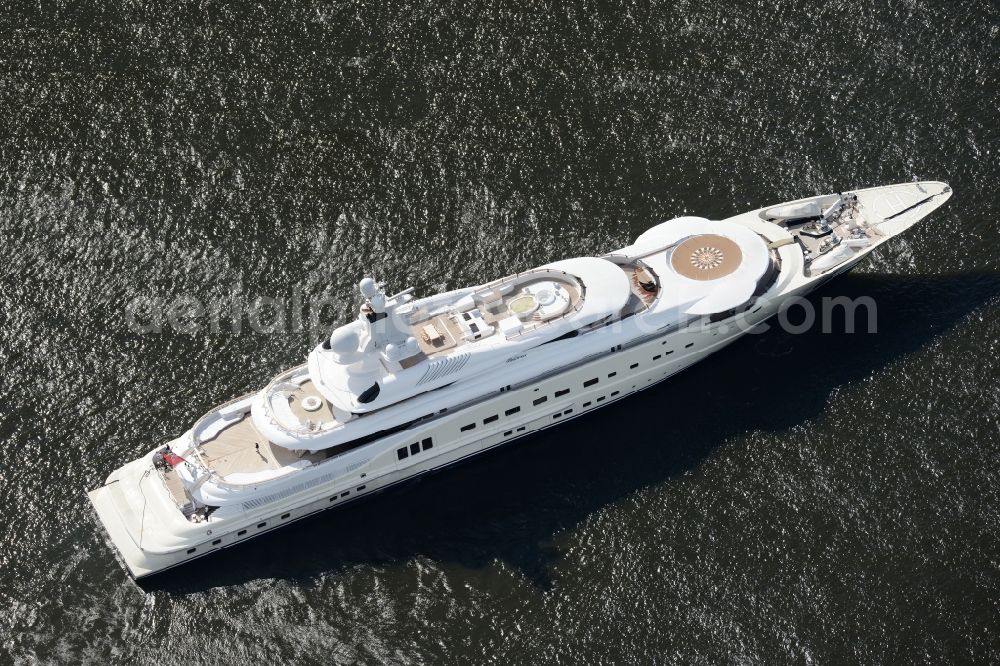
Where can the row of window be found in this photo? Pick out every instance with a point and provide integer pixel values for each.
(284, 516)
(558, 394)
(600, 398)
(415, 448)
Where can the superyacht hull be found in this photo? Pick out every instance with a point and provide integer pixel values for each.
(336, 494)
(149, 533)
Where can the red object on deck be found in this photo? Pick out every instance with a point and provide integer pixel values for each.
(172, 459)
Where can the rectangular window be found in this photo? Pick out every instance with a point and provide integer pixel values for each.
(600, 398)
(241, 533)
(614, 393)
(611, 374)
(345, 493)
(191, 550)
(508, 433)
(285, 515)
(468, 427)
(415, 448)
(402, 453)
(512, 410)
(668, 353)
(590, 382)
(217, 542)
(561, 393)
(586, 404)
(427, 443)
(633, 366)
(490, 419)
(690, 344)
(360, 488)
(539, 401)
(557, 415)
(260, 525)
(657, 357)
(568, 411)
(521, 429)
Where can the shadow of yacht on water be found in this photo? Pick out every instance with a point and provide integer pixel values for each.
(508, 505)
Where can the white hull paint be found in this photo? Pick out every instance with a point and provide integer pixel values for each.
(376, 467)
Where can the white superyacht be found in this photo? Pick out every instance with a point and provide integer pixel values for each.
(417, 384)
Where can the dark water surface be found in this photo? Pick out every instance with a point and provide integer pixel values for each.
(795, 499)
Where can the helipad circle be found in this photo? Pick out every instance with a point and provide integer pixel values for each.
(706, 257)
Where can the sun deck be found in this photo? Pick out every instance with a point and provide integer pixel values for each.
(510, 308)
(295, 404)
(241, 449)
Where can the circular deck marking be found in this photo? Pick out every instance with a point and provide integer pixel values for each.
(311, 403)
(706, 257)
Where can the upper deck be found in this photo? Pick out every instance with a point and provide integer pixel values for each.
(511, 307)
